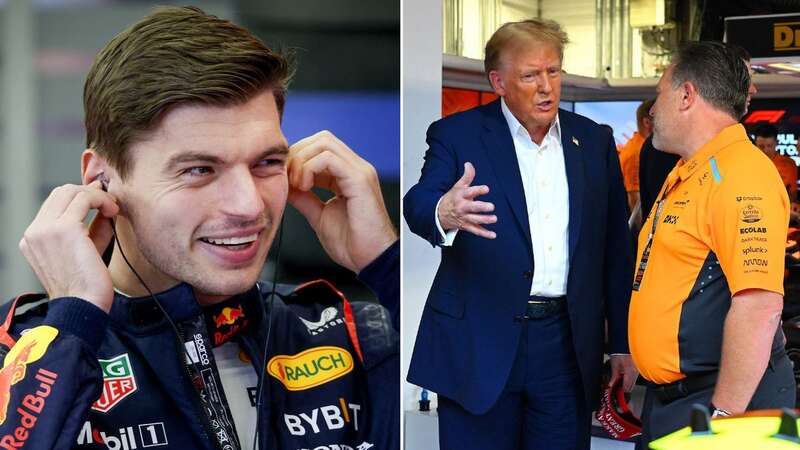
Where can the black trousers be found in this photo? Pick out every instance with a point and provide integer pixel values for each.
(776, 390)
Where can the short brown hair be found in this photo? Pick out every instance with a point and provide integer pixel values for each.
(175, 55)
(643, 111)
(540, 30)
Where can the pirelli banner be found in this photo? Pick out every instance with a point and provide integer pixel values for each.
(765, 36)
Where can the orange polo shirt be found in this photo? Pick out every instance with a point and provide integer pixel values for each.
(721, 229)
(787, 169)
(629, 161)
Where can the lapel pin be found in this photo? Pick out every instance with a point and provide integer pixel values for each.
(576, 141)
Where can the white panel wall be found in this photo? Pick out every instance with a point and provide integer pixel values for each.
(19, 161)
(422, 85)
(578, 19)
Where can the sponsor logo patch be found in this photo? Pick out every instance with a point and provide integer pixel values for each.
(228, 322)
(753, 239)
(747, 198)
(748, 230)
(196, 350)
(671, 219)
(228, 316)
(32, 406)
(118, 382)
(311, 368)
(750, 214)
(750, 250)
(362, 446)
(756, 262)
(126, 438)
(30, 348)
(326, 320)
(322, 419)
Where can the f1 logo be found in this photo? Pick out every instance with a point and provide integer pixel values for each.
(765, 115)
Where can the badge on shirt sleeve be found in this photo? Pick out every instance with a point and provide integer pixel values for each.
(311, 368)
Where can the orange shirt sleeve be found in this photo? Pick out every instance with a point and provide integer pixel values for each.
(748, 223)
(629, 163)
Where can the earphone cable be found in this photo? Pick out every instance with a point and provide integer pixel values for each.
(261, 377)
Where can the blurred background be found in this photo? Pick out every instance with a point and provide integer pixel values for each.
(348, 82)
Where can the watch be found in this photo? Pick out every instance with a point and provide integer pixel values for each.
(718, 412)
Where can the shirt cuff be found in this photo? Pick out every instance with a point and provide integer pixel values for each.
(446, 238)
(619, 354)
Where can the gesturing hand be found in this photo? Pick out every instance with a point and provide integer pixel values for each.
(458, 208)
(65, 253)
(353, 227)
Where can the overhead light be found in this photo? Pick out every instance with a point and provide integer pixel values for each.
(788, 67)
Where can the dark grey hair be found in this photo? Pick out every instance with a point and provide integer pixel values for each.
(718, 73)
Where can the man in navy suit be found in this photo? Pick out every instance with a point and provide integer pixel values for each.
(512, 333)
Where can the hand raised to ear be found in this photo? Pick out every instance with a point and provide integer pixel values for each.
(64, 252)
(353, 227)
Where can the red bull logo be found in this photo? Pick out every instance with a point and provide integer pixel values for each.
(228, 316)
(228, 322)
(13, 371)
(30, 348)
(30, 408)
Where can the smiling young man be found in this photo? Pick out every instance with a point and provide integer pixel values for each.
(527, 204)
(190, 174)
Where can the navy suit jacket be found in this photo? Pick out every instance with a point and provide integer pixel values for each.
(468, 335)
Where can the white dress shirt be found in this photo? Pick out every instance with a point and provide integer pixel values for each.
(544, 180)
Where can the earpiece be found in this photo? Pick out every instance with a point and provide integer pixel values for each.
(103, 180)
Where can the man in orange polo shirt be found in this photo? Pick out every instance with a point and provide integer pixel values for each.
(708, 284)
(629, 155)
(767, 141)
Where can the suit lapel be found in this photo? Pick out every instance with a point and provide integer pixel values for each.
(573, 161)
(499, 147)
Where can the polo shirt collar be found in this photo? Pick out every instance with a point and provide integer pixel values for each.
(726, 137)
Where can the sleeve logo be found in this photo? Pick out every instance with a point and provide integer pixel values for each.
(30, 348)
(750, 214)
(118, 382)
(326, 320)
(311, 368)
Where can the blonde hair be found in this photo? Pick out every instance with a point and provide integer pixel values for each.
(510, 34)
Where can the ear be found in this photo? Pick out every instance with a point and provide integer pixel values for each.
(647, 122)
(689, 95)
(93, 164)
(498, 84)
